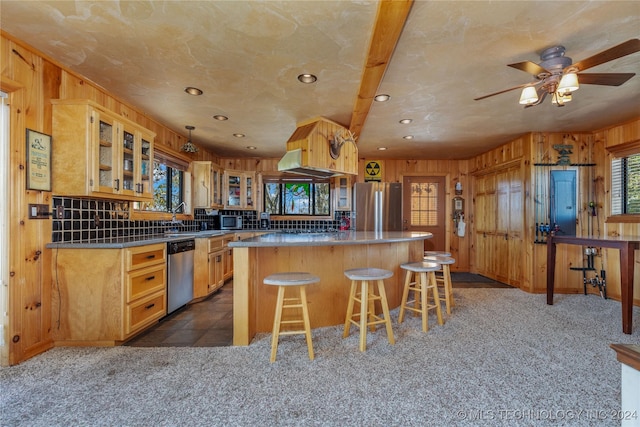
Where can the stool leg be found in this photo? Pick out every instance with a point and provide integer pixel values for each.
(307, 324)
(352, 297)
(276, 324)
(364, 308)
(371, 308)
(424, 288)
(417, 289)
(448, 286)
(405, 295)
(385, 311)
(436, 297)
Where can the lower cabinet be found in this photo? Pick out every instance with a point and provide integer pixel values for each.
(105, 296)
(228, 256)
(208, 275)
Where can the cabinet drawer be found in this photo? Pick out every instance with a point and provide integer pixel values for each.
(143, 256)
(146, 281)
(145, 311)
(216, 243)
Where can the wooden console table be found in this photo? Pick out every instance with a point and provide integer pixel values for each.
(626, 245)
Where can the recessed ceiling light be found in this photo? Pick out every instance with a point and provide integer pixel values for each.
(307, 78)
(220, 117)
(382, 98)
(193, 91)
(382, 148)
(406, 121)
(251, 147)
(239, 135)
(408, 137)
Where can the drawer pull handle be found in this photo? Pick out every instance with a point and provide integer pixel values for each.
(150, 306)
(151, 256)
(150, 278)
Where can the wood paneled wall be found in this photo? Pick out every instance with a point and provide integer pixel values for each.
(32, 80)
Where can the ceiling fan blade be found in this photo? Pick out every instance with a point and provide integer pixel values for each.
(530, 67)
(623, 49)
(502, 91)
(606, 79)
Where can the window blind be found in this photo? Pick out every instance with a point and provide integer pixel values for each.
(625, 185)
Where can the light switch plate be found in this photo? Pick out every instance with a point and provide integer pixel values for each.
(38, 211)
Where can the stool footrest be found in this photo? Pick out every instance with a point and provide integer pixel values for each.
(300, 332)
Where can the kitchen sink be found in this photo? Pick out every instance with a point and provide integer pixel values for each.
(193, 233)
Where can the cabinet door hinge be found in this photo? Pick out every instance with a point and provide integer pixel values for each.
(91, 183)
(91, 119)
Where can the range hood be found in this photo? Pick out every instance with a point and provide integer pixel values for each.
(319, 149)
(291, 162)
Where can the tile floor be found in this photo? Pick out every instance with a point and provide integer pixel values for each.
(209, 323)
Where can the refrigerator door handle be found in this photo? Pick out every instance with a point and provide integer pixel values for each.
(376, 210)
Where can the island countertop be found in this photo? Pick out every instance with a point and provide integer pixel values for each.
(329, 239)
(324, 254)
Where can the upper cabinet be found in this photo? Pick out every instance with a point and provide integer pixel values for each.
(342, 193)
(241, 190)
(207, 185)
(99, 153)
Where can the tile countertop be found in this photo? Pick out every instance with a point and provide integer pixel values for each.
(131, 241)
(328, 239)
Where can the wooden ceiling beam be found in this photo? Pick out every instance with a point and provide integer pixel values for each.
(390, 20)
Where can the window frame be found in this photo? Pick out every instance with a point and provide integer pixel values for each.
(282, 180)
(174, 160)
(619, 194)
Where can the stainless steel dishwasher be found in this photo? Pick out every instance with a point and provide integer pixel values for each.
(179, 273)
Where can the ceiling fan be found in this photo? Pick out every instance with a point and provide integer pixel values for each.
(557, 76)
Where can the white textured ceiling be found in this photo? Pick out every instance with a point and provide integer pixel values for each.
(246, 55)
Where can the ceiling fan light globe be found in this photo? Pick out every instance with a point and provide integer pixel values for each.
(568, 83)
(528, 96)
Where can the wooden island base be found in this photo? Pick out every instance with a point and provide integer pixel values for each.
(254, 303)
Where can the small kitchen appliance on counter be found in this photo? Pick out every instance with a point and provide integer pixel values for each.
(228, 222)
(265, 220)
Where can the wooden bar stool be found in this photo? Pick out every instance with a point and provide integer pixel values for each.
(443, 278)
(282, 281)
(425, 282)
(367, 297)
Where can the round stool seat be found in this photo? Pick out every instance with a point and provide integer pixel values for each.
(368, 274)
(444, 260)
(436, 253)
(291, 279)
(421, 267)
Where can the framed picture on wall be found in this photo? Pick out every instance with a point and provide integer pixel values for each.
(38, 161)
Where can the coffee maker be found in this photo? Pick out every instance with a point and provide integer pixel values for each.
(265, 220)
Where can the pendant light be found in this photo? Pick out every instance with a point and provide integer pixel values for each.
(189, 147)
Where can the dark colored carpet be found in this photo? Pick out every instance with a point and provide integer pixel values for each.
(469, 280)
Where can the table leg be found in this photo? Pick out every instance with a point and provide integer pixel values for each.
(551, 268)
(626, 285)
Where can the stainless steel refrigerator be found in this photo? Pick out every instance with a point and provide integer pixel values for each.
(378, 206)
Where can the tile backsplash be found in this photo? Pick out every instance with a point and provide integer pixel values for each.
(90, 220)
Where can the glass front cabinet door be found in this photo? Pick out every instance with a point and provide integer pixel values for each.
(240, 190)
(342, 193)
(98, 153)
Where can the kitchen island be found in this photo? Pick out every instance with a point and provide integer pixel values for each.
(326, 255)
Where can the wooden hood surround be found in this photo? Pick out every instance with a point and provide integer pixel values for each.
(309, 150)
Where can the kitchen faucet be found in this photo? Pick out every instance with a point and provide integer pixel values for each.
(173, 217)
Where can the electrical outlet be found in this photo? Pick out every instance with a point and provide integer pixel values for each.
(60, 212)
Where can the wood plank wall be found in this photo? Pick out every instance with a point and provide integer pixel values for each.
(32, 80)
